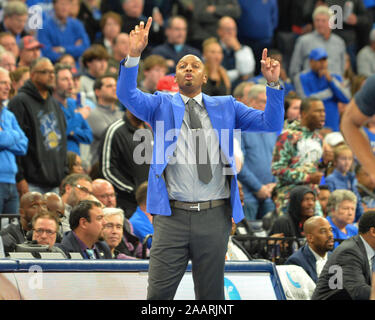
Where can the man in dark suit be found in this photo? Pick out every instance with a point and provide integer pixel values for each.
(313, 255)
(347, 273)
(86, 221)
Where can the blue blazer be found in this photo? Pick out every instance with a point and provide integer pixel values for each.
(165, 113)
(305, 259)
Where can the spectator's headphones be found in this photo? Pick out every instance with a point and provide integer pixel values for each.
(29, 236)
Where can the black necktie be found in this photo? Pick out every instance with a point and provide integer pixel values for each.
(204, 169)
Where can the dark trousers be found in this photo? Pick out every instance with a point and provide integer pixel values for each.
(201, 237)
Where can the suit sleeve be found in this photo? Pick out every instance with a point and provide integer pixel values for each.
(142, 105)
(269, 120)
(353, 277)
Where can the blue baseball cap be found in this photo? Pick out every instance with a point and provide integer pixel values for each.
(318, 54)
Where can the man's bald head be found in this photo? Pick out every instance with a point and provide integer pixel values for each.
(104, 191)
(31, 203)
(312, 223)
(54, 203)
(319, 236)
(29, 197)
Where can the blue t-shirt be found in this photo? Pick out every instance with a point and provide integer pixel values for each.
(142, 226)
(351, 231)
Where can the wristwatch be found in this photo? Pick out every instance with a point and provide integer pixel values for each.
(273, 84)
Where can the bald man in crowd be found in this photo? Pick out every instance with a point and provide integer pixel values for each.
(55, 205)
(314, 254)
(103, 190)
(31, 203)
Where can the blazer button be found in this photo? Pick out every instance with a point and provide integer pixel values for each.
(157, 176)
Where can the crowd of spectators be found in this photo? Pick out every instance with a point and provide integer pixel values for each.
(68, 146)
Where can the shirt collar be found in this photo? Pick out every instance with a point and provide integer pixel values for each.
(198, 98)
(317, 256)
(369, 251)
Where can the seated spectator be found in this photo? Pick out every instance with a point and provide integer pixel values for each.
(129, 245)
(74, 188)
(141, 219)
(120, 49)
(343, 177)
(320, 83)
(8, 61)
(314, 254)
(292, 105)
(238, 59)
(301, 207)
(63, 34)
(113, 231)
(54, 205)
(74, 163)
(13, 142)
(366, 57)
(206, 15)
(18, 77)
(110, 25)
(154, 68)
(298, 151)
(78, 130)
(31, 203)
(341, 209)
(9, 43)
(95, 62)
(104, 192)
(15, 18)
(323, 196)
(218, 83)
(321, 37)
(347, 273)
(86, 223)
(106, 112)
(29, 50)
(366, 188)
(175, 47)
(45, 228)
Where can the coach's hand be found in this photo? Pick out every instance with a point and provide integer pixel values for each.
(138, 38)
(270, 68)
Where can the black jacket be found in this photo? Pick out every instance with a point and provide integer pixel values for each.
(43, 122)
(347, 274)
(116, 159)
(69, 243)
(290, 223)
(12, 235)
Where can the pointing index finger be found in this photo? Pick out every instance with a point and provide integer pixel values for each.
(264, 54)
(148, 24)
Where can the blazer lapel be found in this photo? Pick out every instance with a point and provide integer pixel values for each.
(178, 110)
(215, 117)
(360, 244)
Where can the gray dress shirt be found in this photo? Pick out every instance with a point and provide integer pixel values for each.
(181, 174)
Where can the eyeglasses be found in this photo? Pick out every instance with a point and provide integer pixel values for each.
(41, 231)
(45, 71)
(107, 195)
(112, 226)
(82, 188)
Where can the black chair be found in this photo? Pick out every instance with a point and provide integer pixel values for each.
(10, 216)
